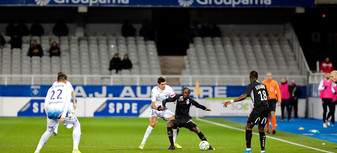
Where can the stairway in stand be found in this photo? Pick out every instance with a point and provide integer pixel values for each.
(172, 65)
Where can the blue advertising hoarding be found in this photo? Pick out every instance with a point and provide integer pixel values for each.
(122, 108)
(123, 91)
(164, 3)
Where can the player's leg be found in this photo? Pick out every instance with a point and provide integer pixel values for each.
(289, 109)
(283, 105)
(170, 116)
(249, 134)
(193, 127)
(324, 105)
(262, 137)
(263, 116)
(56, 129)
(269, 115)
(44, 138)
(273, 117)
(153, 120)
(333, 108)
(295, 105)
(170, 125)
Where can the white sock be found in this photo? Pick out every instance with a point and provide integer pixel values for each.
(76, 135)
(248, 149)
(56, 127)
(43, 140)
(175, 133)
(147, 134)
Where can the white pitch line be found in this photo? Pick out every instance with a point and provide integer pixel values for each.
(293, 143)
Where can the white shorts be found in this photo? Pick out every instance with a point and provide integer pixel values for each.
(69, 122)
(162, 114)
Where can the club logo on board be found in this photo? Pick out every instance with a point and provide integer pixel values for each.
(185, 3)
(42, 2)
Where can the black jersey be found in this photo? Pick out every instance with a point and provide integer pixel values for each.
(183, 105)
(258, 92)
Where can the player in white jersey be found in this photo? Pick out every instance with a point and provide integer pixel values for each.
(56, 107)
(73, 104)
(158, 94)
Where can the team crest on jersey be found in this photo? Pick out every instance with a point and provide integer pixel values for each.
(185, 3)
(181, 98)
(42, 2)
(271, 89)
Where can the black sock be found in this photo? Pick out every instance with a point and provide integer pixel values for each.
(202, 136)
(262, 140)
(170, 135)
(248, 138)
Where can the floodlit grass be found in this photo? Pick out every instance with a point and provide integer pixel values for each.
(21, 135)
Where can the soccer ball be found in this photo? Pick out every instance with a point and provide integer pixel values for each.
(203, 145)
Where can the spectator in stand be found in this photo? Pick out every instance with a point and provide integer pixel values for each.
(16, 41)
(128, 29)
(193, 31)
(35, 49)
(215, 30)
(2, 41)
(22, 28)
(60, 28)
(146, 31)
(295, 93)
(326, 65)
(285, 97)
(326, 94)
(54, 50)
(115, 63)
(36, 29)
(11, 29)
(126, 63)
(205, 30)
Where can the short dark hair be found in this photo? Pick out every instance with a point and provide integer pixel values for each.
(160, 80)
(62, 77)
(254, 74)
(186, 88)
(60, 73)
(327, 71)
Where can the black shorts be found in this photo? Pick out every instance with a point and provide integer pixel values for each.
(187, 123)
(272, 104)
(259, 115)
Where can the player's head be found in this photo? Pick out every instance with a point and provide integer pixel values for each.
(253, 76)
(59, 73)
(269, 76)
(334, 76)
(62, 78)
(186, 92)
(283, 80)
(161, 83)
(293, 83)
(327, 75)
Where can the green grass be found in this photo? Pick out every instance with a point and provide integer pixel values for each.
(21, 135)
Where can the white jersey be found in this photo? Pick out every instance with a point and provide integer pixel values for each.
(57, 100)
(158, 95)
(68, 84)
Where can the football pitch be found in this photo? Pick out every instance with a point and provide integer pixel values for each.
(21, 135)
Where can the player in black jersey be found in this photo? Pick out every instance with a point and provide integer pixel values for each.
(183, 118)
(259, 114)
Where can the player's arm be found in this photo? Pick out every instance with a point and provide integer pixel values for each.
(320, 86)
(196, 104)
(278, 93)
(74, 100)
(46, 101)
(332, 89)
(242, 97)
(66, 105)
(171, 99)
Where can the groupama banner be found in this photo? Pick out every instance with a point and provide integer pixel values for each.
(164, 3)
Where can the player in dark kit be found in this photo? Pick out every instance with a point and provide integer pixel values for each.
(183, 118)
(259, 114)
